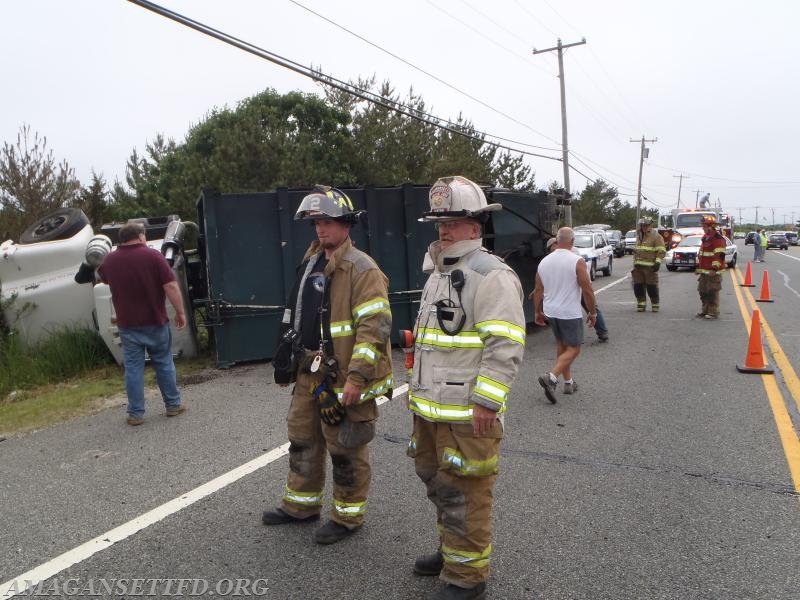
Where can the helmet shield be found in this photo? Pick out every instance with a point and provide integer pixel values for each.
(457, 197)
(709, 220)
(327, 203)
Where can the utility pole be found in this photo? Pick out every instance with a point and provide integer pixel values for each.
(564, 144)
(757, 207)
(697, 197)
(645, 152)
(680, 181)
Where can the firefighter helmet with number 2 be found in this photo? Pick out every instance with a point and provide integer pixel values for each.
(327, 202)
(457, 197)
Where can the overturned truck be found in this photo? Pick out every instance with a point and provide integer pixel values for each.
(236, 263)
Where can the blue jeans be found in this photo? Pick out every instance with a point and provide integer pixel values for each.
(157, 340)
(600, 323)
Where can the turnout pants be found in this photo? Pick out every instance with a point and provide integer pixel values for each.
(459, 471)
(645, 279)
(709, 285)
(310, 440)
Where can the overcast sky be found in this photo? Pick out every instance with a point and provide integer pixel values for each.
(716, 82)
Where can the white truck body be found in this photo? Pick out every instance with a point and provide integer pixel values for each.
(42, 276)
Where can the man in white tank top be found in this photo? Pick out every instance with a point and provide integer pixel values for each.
(561, 280)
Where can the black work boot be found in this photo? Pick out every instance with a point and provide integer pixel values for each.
(453, 592)
(280, 516)
(429, 565)
(332, 532)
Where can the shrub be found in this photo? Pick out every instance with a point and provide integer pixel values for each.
(66, 353)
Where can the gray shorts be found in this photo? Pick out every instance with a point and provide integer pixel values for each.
(567, 331)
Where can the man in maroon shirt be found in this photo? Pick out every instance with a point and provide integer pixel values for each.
(141, 279)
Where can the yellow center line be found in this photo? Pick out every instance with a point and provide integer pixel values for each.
(786, 431)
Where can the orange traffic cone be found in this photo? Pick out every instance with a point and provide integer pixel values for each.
(748, 278)
(754, 361)
(765, 289)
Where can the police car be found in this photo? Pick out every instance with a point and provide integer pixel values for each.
(684, 255)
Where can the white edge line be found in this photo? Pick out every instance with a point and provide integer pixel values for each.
(613, 283)
(52, 567)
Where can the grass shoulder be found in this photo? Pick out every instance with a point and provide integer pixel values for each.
(41, 406)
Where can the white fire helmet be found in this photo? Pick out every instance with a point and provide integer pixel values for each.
(457, 197)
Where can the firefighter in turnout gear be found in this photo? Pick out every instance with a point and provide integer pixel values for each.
(335, 347)
(469, 340)
(710, 261)
(647, 257)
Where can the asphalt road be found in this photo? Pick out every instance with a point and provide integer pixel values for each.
(667, 476)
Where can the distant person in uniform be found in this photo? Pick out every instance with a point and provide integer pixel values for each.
(758, 248)
(711, 261)
(647, 257)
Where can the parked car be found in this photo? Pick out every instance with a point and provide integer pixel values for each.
(739, 235)
(791, 237)
(749, 238)
(595, 249)
(684, 255)
(617, 242)
(776, 239)
(630, 241)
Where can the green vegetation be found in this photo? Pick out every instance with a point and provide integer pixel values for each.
(65, 354)
(71, 374)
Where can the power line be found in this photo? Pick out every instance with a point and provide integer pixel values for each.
(326, 79)
(729, 179)
(590, 111)
(423, 71)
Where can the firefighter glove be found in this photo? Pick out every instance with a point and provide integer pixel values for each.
(331, 410)
(656, 267)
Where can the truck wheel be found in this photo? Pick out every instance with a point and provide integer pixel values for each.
(593, 270)
(59, 225)
(607, 270)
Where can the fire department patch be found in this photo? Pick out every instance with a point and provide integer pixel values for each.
(440, 198)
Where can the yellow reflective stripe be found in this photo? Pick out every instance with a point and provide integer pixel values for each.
(436, 337)
(491, 389)
(477, 560)
(381, 387)
(303, 498)
(341, 328)
(502, 329)
(436, 411)
(644, 263)
(427, 408)
(371, 307)
(366, 351)
(471, 468)
(349, 509)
